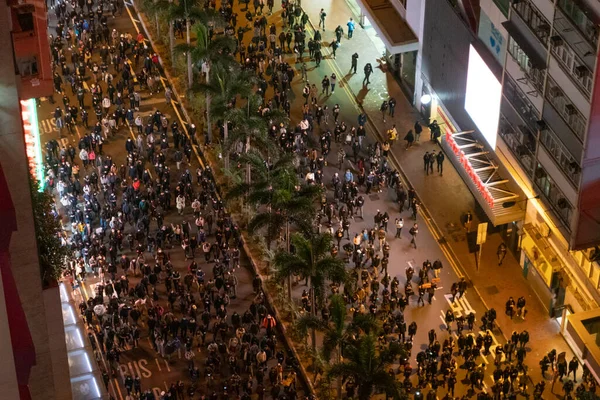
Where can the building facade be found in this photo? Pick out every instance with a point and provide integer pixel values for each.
(33, 351)
(514, 87)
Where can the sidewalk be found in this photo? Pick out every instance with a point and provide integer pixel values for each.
(446, 197)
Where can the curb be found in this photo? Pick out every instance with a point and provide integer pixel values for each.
(253, 263)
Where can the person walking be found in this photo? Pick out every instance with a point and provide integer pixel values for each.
(418, 129)
(468, 220)
(325, 85)
(399, 226)
(573, 367)
(332, 81)
(334, 46)
(339, 32)
(392, 106)
(322, 16)
(383, 108)
(426, 158)
(351, 26)
(501, 253)
(368, 71)
(440, 162)
(410, 138)
(413, 233)
(354, 63)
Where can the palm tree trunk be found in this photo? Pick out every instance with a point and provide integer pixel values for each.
(157, 22)
(225, 138)
(313, 311)
(208, 124)
(287, 248)
(189, 54)
(339, 360)
(172, 42)
(248, 170)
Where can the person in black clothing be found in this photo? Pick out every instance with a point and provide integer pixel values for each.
(354, 64)
(368, 71)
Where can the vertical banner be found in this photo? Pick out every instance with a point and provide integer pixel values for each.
(33, 146)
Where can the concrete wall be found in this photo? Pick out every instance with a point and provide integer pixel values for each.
(50, 377)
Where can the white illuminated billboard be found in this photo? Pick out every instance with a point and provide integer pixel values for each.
(482, 99)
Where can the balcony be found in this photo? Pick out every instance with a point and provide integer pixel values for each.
(553, 196)
(534, 19)
(574, 119)
(572, 64)
(561, 156)
(579, 26)
(520, 103)
(521, 143)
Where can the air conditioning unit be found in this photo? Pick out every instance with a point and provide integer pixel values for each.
(556, 92)
(562, 203)
(544, 229)
(571, 110)
(541, 124)
(543, 29)
(556, 41)
(581, 71)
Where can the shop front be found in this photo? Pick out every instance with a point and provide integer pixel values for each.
(542, 267)
(392, 35)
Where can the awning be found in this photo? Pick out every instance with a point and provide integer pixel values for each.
(536, 59)
(392, 28)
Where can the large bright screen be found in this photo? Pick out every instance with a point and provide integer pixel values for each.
(482, 100)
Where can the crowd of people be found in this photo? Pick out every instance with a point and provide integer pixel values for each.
(121, 222)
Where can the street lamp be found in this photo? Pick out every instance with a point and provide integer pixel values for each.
(426, 99)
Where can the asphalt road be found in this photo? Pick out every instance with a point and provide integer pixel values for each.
(155, 372)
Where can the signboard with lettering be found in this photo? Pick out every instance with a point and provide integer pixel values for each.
(493, 38)
(33, 146)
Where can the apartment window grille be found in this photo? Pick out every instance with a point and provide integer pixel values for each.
(536, 21)
(561, 206)
(573, 66)
(565, 107)
(567, 163)
(579, 18)
(535, 76)
(519, 101)
(520, 141)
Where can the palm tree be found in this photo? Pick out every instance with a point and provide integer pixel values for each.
(151, 7)
(205, 54)
(277, 195)
(226, 85)
(369, 367)
(188, 10)
(312, 260)
(336, 331)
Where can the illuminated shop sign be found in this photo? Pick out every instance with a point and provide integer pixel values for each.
(33, 146)
(482, 97)
(464, 161)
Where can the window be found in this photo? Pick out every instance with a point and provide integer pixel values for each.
(534, 19)
(536, 76)
(23, 18)
(503, 6)
(576, 69)
(579, 18)
(27, 66)
(518, 99)
(561, 156)
(562, 208)
(520, 141)
(563, 105)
